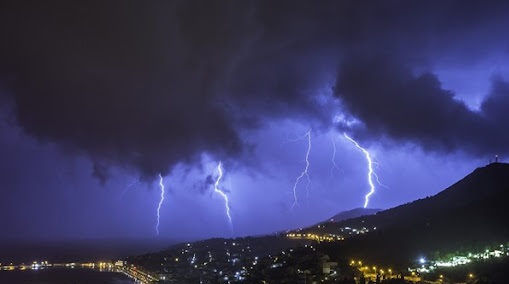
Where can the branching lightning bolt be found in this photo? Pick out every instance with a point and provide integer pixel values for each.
(371, 173)
(378, 164)
(304, 172)
(220, 192)
(128, 187)
(160, 202)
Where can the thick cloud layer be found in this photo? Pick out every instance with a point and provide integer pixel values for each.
(149, 85)
(393, 101)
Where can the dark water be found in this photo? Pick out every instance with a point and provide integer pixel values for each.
(62, 276)
(75, 251)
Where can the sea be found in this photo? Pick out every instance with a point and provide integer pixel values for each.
(19, 252)
(63, 276)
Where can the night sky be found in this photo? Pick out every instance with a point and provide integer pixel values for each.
(99, 98)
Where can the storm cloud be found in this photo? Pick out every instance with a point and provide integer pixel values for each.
(391, 100)
(151, 85)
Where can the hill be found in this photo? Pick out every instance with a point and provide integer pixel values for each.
(354, 213)
(468, 215)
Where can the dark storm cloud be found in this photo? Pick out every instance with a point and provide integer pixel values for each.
(384, 82)
(495, 111)
(393, 101)
(148, 85)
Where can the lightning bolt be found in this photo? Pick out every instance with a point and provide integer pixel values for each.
(128, 187)
(377, 163)
(333, 159)
(304, 172)
(371, 172)
(220, 192)
(160, 202)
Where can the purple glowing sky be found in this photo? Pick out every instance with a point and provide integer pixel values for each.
(96, 101)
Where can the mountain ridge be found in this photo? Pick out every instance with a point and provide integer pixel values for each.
(468, 214)
(349, 214)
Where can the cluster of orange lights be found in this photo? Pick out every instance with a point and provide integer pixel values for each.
(366, 268)
(315, 237)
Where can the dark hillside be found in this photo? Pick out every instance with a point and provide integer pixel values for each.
(468, 215)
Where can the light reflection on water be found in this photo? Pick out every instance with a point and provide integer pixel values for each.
(63, 276)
